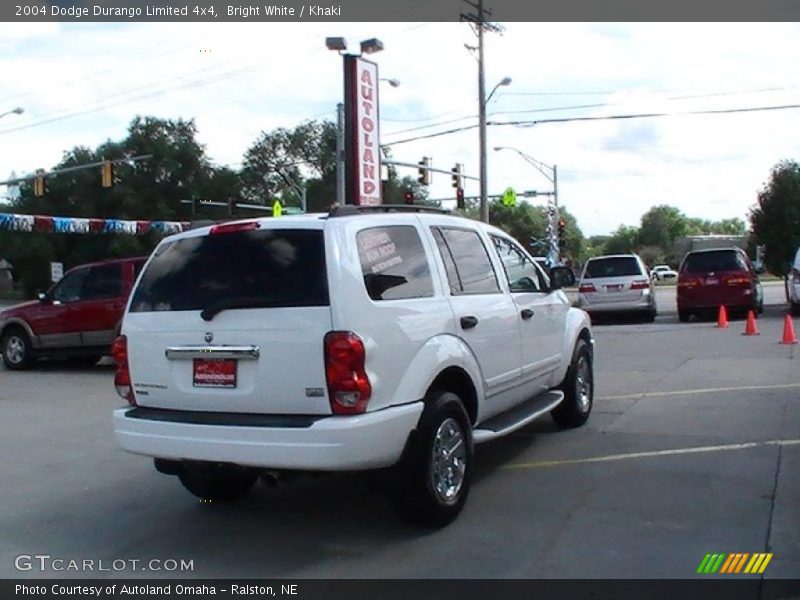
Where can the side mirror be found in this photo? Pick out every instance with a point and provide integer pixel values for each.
(561, 277)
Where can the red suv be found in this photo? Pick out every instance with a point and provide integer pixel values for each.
(78, 317)
(709, 279)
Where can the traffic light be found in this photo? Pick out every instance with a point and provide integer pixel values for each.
(562, 225)
(107, 174)
(457, 178)
(460, 199)
(424, 171)
(38, 183)
(408, 197)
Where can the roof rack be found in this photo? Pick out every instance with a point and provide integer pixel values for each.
(349, 210)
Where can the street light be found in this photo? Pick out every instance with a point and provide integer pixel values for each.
(391, 82)
(504, 81)
(483, 100)
(16, 111)
(551, 173)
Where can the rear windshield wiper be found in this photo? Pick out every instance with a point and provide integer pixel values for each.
(213, 309)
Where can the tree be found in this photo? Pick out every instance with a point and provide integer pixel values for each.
(151, 189)
(528, 225)
(661, 226)
(775, 219)
(275, 164)
(622, 241)
(524, 222)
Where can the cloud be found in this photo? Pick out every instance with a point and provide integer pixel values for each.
(84, 82)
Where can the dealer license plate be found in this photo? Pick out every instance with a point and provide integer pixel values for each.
(214, 372)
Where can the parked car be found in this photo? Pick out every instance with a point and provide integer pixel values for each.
(79, 317)
(616, 284)
(718, 277)
(663, 273)
(368, 338)
(793, 285)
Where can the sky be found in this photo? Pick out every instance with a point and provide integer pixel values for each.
(81, 84)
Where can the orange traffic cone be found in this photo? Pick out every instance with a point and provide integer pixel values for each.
(722, 318)
(789, 336)
(750, 328)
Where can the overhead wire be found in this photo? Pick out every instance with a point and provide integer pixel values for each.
(600, 118)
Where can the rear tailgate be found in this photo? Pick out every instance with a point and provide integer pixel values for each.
(613, 289)
(232, 322)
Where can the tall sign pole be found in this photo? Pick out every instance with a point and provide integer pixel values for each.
(362, 138)
(340, 155)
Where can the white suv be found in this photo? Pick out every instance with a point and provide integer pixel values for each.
(361, 339)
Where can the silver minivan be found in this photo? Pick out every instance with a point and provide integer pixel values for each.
(615, 284)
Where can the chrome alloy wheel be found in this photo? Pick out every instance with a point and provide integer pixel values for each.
(449, 461)
(583, 384)
(15, 349)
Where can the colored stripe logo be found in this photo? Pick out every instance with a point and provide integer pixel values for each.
(737, 562)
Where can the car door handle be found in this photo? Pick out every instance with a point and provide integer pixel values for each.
(468, 322)
(526, 313)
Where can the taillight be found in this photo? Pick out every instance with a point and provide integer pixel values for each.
(349, 388)
(122, 378)
(640, 284)
(688, 283)
(738, 280)
(586, 288)
(233, 227)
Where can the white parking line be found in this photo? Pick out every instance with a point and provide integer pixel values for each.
(676, 451)
(743, 388)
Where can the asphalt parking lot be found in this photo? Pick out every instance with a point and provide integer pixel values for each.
(693, 448)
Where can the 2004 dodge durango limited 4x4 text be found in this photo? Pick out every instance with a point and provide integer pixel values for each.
(370, 338)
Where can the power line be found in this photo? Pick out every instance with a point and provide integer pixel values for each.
(649, 115)
(603, 118)
(191, 84)
(694, 94)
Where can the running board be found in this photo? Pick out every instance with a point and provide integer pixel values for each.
(517, 417)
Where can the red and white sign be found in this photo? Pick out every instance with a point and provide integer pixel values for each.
(366, 138)
(210, 372)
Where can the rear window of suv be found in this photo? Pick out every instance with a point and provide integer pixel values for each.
(719, 260)
(616, 266)
(261, 268)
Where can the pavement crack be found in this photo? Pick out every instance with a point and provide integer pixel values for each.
(773, 496)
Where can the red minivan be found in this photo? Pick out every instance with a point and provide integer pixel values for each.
(709, 279)
(78, 317)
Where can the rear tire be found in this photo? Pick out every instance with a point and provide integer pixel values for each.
(650, 316)
(795, 309)
(15, 346)
(578, 388)
(433, 477)
(683, 315)
(223, 483)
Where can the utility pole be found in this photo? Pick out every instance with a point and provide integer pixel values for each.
(479, 22)
(482, 117)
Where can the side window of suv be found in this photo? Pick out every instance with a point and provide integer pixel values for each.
(466, 261)
(394, 263)
(522, 274)
(103, 282)
(70, 289)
